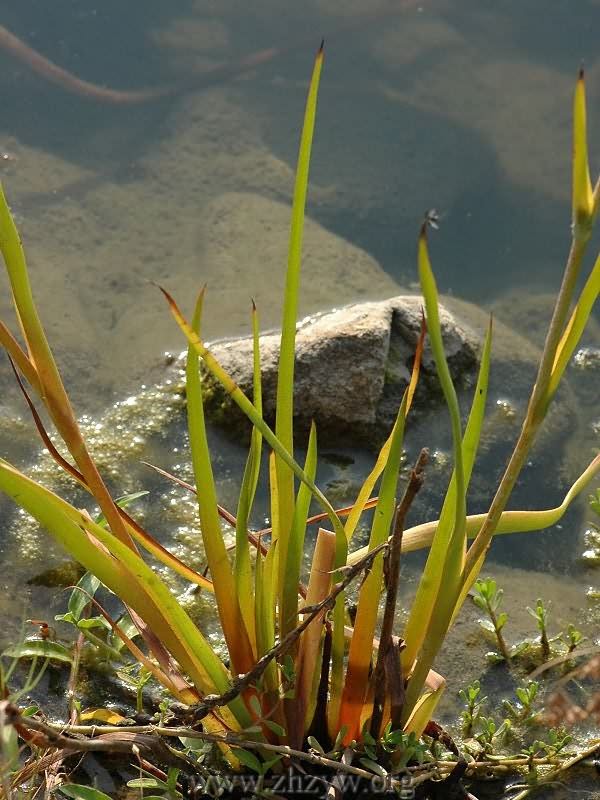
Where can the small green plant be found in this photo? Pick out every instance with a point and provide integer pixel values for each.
(557, 740)
(292, 661)
(515, 741)
(522, 710)
(540, 615)
(488, 598)
(491, 735)
(541, 749)
(471, 697)
(572, 638)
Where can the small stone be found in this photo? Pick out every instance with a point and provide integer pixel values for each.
(352, 367)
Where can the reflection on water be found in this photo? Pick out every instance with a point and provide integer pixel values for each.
(462, 106)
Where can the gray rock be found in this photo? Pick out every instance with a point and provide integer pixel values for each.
(354, 364)
(352, 367)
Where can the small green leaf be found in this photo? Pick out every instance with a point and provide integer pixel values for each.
(271, 763)
(256, 706)
(374, 767)
(249, 760)
(501, 620)
(494, 658)
(9, 748)
(86, 588)
(122, 502)
(273, 726)
(368, 739)
(128, 628)
(314, 743)
(340, 737)
(146, 783)
(40, 648)
(173, 775)
(79, 792)
(93, 622)
(522, 695)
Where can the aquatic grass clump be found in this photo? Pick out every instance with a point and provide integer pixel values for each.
(298, 671)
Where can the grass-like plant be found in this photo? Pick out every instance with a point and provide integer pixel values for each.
(307, 669)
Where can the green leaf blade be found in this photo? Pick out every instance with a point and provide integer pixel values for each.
(232, 622)
(284, 424)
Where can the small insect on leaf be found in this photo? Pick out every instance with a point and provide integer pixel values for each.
(432, 219)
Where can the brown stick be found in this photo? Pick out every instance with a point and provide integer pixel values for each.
(124, 740)
(384, 680)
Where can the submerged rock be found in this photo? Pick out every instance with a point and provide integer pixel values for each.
(352, 367)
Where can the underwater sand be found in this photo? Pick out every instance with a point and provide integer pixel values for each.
(461, 106)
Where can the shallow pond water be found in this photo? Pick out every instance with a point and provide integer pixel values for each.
(461, 106)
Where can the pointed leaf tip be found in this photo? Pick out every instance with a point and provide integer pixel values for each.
(583, 197)
(166, 294)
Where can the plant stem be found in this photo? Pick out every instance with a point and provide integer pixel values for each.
(504, 651)
(392, 572)
(536, 409)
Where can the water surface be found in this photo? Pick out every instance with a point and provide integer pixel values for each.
(460, 106)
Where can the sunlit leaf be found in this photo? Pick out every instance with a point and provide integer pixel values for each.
(423, 711)
(285, 372)
(86, 588)
(40, 648)
(230, 615)
(242, 566)
(105, 715)
(123, 501)
(295, 550)
(583, 201)
(428, 589)
(575, 328)
(361, 644)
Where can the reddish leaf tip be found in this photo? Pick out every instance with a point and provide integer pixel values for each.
(168, 297)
